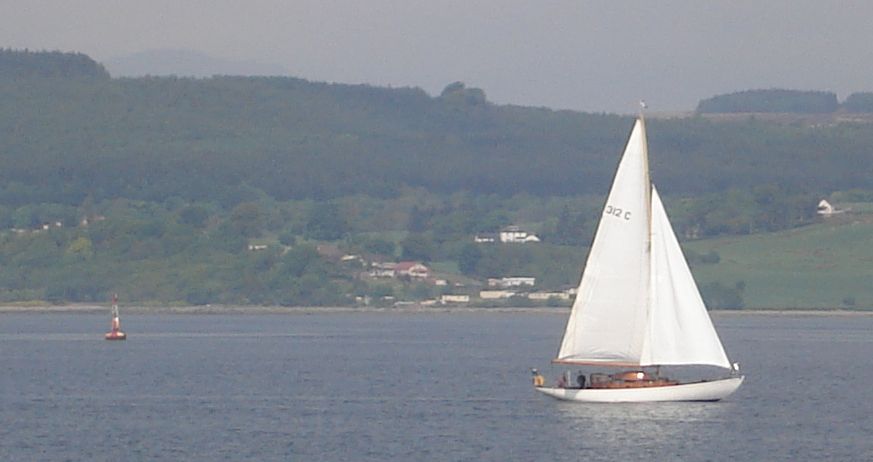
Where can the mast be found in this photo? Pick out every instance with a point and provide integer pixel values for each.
(647, 175)
(646, 171)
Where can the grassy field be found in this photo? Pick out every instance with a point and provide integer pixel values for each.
(828, 265)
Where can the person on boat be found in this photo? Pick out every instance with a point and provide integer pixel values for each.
(538, 379)
(580, 380)
(562, 381)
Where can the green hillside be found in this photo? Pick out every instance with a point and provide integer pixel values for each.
(253, 190)
(825, 265)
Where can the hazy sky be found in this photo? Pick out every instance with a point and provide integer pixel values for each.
(582, 55)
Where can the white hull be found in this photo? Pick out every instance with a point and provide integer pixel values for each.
(698, 391)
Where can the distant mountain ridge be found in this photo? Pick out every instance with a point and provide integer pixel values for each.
(186, 63)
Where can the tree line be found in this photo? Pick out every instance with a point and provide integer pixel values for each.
(786, 101)
(229, 139)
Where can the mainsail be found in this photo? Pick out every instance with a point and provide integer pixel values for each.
(637, 303)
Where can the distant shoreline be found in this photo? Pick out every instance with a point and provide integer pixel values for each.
(261, 310)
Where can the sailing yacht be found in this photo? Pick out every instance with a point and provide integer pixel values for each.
(637, 307)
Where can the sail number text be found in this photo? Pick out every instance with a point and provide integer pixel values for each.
(617, 212)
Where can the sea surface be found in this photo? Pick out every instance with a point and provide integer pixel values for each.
(408, 387)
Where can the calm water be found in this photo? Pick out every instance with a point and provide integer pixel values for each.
(407, 387)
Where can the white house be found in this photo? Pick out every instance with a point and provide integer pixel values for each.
(382, 270)
(495, 294)
(516, 281)
(515, 235)
(548, 295)
(412, 269)
(447, 299)
(826, 209)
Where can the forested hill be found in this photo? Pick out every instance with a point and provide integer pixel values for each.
(63, 139)
(255, 190)
(29, 65)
